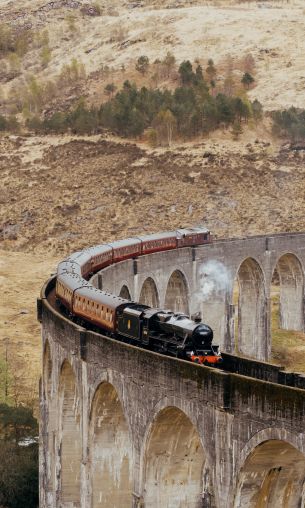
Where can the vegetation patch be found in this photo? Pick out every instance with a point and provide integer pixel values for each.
(290, 123)
(186, 112)
(18, 448)
(288, 346)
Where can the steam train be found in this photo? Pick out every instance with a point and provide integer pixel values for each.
(166, 332)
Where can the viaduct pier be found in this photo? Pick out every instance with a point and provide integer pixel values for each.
(123, 427)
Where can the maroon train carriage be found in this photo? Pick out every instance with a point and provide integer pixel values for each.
(101, 256)
(82, 262)
(174, 239)
(192, 236)
(126, 249)
(98, 307)
(158, 242)
(66, 285)
(86, 262)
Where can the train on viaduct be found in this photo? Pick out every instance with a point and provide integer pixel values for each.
(124, 427)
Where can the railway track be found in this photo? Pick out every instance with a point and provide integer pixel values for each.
(231, 363)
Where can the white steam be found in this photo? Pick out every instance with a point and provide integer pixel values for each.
(214, 278)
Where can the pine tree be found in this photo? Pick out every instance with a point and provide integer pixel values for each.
(186, 72)
(257, 110)
(247, 80)
(211, 71)
(199, 74)
(169, 63)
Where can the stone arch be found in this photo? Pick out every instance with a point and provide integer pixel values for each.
(125, 293)
(71, 448)
(176, 296)
(290, 278)
(47, 370)
(252, 339)
(273, 474)
(174, 463)
(149, 293)
(110, 451)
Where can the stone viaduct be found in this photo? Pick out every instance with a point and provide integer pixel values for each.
(122, 427)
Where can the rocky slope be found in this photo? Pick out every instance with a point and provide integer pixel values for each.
(61, 194)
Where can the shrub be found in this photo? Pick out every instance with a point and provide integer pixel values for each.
(110, 89)
(249, 64)
(34, 124)
(14, 41)
(3, 123)
(289, 123)
(119, 33)
(9, 124)
(152, 137)
(45, 56)
(41, 38)
(142, 64)
(22, 43)
(14, 62)
(7, 42)
(18, 457)
(165, 125)
(72, 73)
(236, 130)
(71, 24)
(82, 120)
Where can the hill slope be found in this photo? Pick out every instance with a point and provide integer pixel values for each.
(105, 36)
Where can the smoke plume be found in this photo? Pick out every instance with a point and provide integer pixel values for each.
(214, 278)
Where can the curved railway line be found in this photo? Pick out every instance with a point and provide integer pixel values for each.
(233, 364)
(95, 259)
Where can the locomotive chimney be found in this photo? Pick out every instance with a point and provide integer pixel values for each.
(196, 317)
